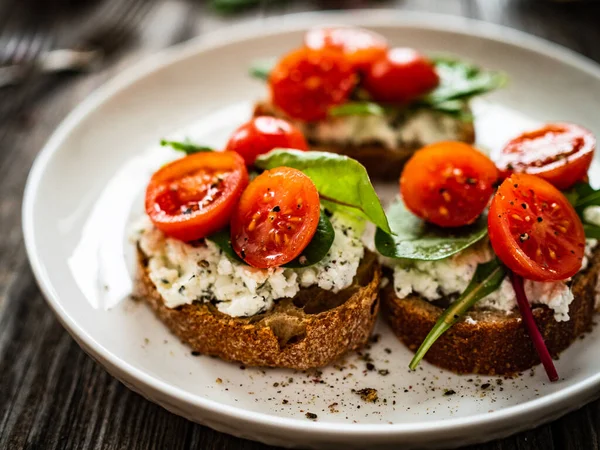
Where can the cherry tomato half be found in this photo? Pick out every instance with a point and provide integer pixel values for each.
(448, 183)
(306, 83)
(400, 76)
(276, 218)
(194, 196)
(361, 47)
(560, 153)
(534, 229)
(262, 134)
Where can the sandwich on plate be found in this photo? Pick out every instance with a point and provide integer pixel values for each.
(350, 93)
(493, 281)
(257, 257)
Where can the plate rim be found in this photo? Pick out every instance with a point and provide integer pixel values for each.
(229, 35)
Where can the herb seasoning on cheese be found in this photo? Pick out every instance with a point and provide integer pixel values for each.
(184, 273)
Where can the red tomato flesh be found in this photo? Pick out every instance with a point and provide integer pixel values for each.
(192, 197)
(400, 76)
(306, 83)
(361, 47)
(262, 134)
(276, 218)
(560, 153)
(534, 229)
(448, 183)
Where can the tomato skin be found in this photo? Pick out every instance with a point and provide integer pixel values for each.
(400, 76)
(560, 153)
(448, 183)
(215, 179)
(276, 218)
(360, 47)
(306, 83)
(262, 134)
(534, 230)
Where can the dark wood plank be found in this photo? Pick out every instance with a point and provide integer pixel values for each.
(52, 396)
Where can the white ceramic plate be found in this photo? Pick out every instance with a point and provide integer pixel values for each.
(87, 182)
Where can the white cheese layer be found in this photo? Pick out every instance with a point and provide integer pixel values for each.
(449, 277)
(183, 273)
(420, 128)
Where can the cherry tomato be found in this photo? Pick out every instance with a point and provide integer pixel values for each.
(534, 229)
(276, 218)
(193, 197)
(448, 183)
(560, 153)
(400, 76)
(262, 134)
(306, 83)
(360, 47)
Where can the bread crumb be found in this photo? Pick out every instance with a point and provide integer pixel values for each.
(368, 394)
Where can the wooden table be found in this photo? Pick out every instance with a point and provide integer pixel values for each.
(53, 396)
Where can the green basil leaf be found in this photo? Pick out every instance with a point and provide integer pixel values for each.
(413, 238)
(223, 240)
(338, 179)
(318, 247)
(455, 108)
(586, 196)
(357, 109)
(186, 146)
(314, 252)
(591, 231)
(487, 279)
(581, 196)
(459, 80)
(262, 68)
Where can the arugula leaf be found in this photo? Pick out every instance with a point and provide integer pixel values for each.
(459, 80)
(591, 231)
(339, 179)
(262, 68)
(357, 109)
(415, 239)
(586, 196)
(582, 196)
(187, 147)
(223, 240)
(456, 108)
(318, 247)
(314, 252)
(487, 279)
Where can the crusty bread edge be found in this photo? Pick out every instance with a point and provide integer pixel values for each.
(494, 343)
(327, 336)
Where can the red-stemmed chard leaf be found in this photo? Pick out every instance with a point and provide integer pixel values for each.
(532, 329)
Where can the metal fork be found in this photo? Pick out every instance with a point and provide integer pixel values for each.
(18, 49)
(24, 54)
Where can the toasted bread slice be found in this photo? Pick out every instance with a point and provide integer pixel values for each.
(310, 330)
(493, 343)
(381, 162)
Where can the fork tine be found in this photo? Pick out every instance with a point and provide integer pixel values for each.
(119, 25)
